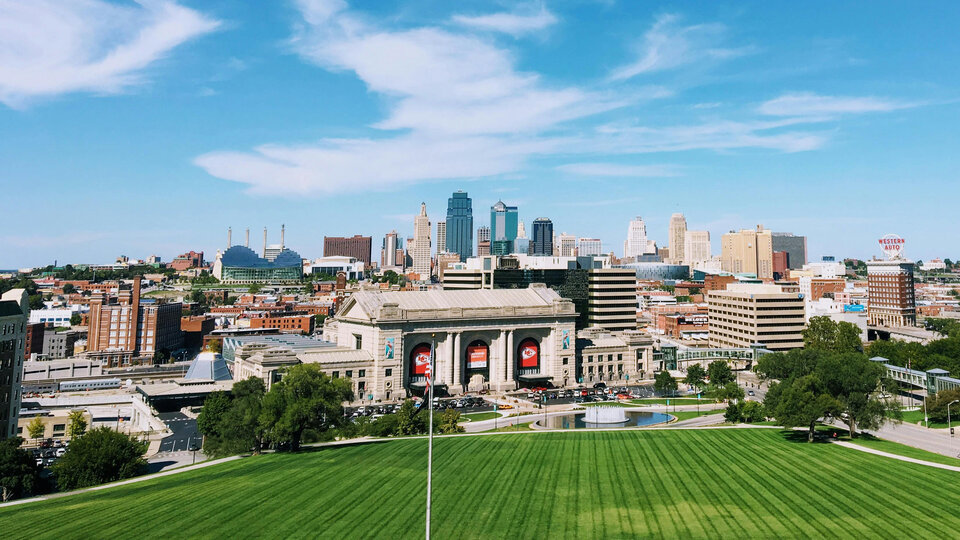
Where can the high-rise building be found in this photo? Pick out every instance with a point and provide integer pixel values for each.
(503, 228)
(890, 293)
(755, 314)
(749, 251)
(677, 233)
(521, 230)
(459, 228)
(421, 243)
(589, 247)
(388, 252)
(359, 247)
(125, 327)
(636, 243)
(781, 264)
(483, 241)
(696, 247)
(567, 245)
(542, 244)
(795, 246)
(441, 237)
(612, 298)
(14, 311)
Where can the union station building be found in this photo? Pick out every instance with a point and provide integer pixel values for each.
(497, 340)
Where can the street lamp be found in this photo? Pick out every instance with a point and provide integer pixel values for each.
(949, 426)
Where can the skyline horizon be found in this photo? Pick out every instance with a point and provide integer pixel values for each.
(339, 116)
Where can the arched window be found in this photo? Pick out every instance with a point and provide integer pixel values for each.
(478, 355)
(419, 360)
(528, 353)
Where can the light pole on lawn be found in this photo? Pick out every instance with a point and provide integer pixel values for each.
(429, 374)
(949, 425)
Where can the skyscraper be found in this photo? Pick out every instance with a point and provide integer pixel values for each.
(696, 247)
(421, 244)
(503, 228)
(748, 252)
(459, 235)
(795, 246)
(483, 241)
(636, 242)
(388, 253)
(678, 228)
(359, 247)
(441, 236)
(14, 310)
(542, 237)
(567, 244)
(590, 247)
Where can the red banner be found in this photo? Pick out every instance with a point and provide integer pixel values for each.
(529, 354)
(420, 359)
(477, 356)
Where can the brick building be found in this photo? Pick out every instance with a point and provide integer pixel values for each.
(682, 325)
(190, 259)
(194, 329)
(288, 324)
(34, 340)
(359, 247)
(125, 327)
(890, 293)
(716, 282)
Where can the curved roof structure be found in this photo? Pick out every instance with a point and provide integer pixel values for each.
(209, 366)
(244, 257)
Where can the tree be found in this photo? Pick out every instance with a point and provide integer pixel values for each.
(719, 373)
(408, 421)
(241, 426)
(305, 398)
(729, 392)
(210, 420)
(78, 424)
(823, 333)
(664, 383)
(799, 402)
(68, 288)
(36, 427)
(101, 455)
(255, 288)
(853, 382)
(75, 319)
(696, 376)
(937, 405)
(449, 422)
(19, 472)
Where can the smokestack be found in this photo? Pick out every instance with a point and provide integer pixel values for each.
(229, 237)
(264, 242)
(247, 243)
(282, 228)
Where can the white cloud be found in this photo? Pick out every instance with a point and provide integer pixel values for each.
(717, 135)
(463, 109)
(809, 104)
(619, 170)
(667, 45)
(50, 47)
(515, 24)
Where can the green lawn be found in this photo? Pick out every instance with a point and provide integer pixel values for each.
(673, 401)
(523, 426)
(478, 416)
(736, 483)
(686, 415)
(912, 417)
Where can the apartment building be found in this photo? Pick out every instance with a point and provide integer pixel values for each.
(744, 315)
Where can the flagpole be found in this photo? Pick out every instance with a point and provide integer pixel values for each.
(430, 435)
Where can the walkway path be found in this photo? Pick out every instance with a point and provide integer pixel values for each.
(855, 446)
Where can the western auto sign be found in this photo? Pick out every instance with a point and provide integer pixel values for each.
(892, 246)
(421, 359)
(529, 354)
(477, 356)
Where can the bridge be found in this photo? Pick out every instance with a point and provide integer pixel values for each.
(932, 381)
(671, 358)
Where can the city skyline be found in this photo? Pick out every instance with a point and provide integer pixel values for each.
(734, 115)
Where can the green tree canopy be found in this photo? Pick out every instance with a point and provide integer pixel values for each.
(664, 383)
(101, 455)
(696, 376)
(78, 424)
(823, 333)
(305, 398)
(19, 473)
(720, 373)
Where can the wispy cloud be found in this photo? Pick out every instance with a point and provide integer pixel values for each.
(514, 23)
(48, 48)
(619, 170)
(668, 45)
(462, 108)
(810, 104)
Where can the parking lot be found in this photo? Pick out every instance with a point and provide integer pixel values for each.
(48, 452)
(467, 404)
(584, 394)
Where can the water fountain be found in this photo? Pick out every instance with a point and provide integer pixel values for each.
(605, 414)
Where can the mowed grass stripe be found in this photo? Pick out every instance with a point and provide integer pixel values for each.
(695, 484)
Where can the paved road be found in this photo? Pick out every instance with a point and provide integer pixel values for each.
(932, 440)
(184, 434)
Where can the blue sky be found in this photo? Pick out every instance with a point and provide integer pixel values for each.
(139, 128)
